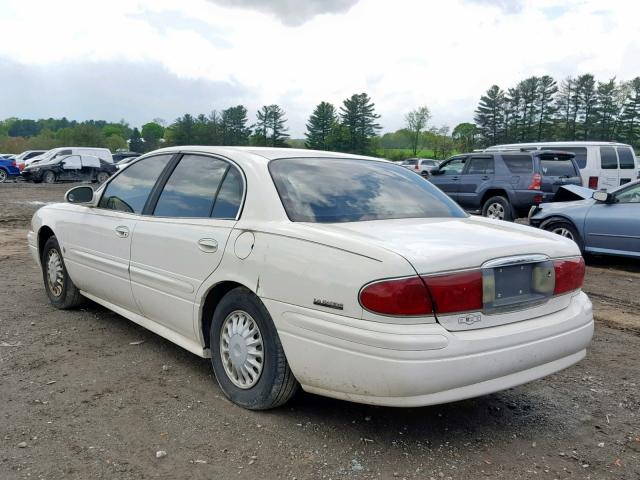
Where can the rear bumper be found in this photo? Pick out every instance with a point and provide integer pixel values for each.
(416, 365)
(524, 199)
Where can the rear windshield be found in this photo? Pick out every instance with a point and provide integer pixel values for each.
(518, 163)
(579, 152)
(557, 168)
(323, 190)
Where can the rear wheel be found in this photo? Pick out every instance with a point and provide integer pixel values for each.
(3, 175)
(49, 177)
(62, 293)
(498, 208)
(563, 228)
(246, 353)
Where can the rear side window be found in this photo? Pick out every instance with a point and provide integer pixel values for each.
(608, 159)
(626, 158)
(192, 187)
(410, 162)
(229, 197)
(579, 152)
(518, 163)
(128, 192)
(481, 165)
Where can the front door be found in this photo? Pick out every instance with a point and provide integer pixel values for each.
(448, 177)
(615, 227)
(182, 240)
(479, 171)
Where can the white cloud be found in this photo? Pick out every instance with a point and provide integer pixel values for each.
(403, 53)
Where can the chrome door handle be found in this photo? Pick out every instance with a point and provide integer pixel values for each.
(208, 245)
(122, 231)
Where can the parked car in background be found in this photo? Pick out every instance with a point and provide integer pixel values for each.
(119, 156)
(602, 222)
(102, 153)
(26, 155)
(602, 164)
(347, 275)
(504, 185)
(8, 170)
(124, 162)
(73, 168)
(423, 166)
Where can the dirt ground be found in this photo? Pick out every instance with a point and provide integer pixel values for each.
(92, 395)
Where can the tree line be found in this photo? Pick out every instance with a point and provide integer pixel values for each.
(578, 108)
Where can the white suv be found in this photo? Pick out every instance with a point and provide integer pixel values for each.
(423, 166)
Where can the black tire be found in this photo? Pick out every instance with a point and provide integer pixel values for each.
(276, 383)
(563, 228)
(49, 177)
(102, 177)
(501, 206)
(3, 175)
(425, 174)
(69, 296)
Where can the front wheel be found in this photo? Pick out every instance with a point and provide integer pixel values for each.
(246, 354)
(497, 208)
(49, 177)
(564, 229)
(3, 175)
(62, 292)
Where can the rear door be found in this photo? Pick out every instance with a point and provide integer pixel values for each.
(448, 177)
(615, 227)
(609, 169)
(182, 239)
(478, 174)
(71, 168)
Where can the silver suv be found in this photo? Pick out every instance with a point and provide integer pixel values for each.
(423, 166)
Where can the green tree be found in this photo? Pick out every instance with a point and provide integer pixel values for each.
(545, 104)
(359, 119)
(270, 128)
(234, 126)
(489, 115)
(181, 132)
(630, 117)
(115, 142)
(136, 144)
(586, 92)
(152, 133)
(464, 134)
(320, 125)
(416, 121)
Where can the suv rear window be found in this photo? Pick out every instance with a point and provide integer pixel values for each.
(330, 190)
(518, 163)
(625, 155)
(557, 168)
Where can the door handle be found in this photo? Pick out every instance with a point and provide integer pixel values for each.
(122, 231)
(208, 245)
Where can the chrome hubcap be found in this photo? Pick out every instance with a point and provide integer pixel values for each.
(241, 349)
(3, 176)
(496, 211)
(55, 273)
(563, 232)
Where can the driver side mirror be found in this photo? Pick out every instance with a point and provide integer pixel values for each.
(602, 196)
(79, 195)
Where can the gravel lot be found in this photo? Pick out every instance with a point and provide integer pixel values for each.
(87, 394)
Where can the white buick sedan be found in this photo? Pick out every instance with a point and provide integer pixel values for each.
(349, 276)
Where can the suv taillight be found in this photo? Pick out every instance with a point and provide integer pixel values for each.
(417, 166)
(593, 183)
(451, 292)
(13, 163)
(536, 182)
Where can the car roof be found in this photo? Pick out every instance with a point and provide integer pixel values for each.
(558, 144)
(265, 154)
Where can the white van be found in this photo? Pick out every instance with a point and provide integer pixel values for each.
(101, 153)
(603, 165)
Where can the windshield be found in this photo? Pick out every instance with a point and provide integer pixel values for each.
(327, 190)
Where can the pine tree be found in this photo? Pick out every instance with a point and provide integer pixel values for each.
(630, 118)
(489, 115)
(270, 128)
(233, 125)
(607, 110)
(547, 89)
(359, 119)
(319, 127)
(136, 144)
(586, 92)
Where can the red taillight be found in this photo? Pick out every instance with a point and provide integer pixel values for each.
(404, 296)
(593, 183)
(456, 292)
(536, 182)
(538, 199)
(417, 167)
(569, 275)
(13, 163)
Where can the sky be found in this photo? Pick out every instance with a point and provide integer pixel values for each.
(143, 59)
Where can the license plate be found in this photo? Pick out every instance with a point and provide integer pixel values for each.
(517, 286)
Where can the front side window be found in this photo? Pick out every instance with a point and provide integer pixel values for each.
(629, 195)
(481, 166)
(339, 190)
(453, 167)
(608, 158)
(128, 191)
(192, 187)
(627, 161)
